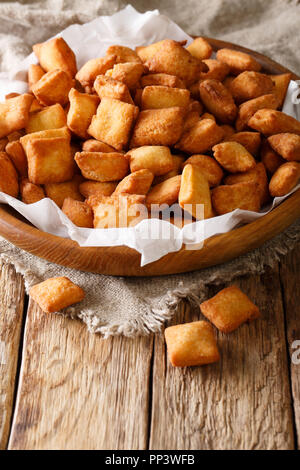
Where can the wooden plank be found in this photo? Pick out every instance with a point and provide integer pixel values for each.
(290, 275)
(11, 314)
(244, 401)
(79, 391)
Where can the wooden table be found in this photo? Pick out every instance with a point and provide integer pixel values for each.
(62, 388)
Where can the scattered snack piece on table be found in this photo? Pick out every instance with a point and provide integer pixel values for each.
(191, 344)
(229, 309)
(56, 293)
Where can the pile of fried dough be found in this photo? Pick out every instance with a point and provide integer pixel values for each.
(163, 125)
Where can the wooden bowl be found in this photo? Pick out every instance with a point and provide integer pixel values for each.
(124, 261)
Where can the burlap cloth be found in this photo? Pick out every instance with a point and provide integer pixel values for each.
(139, 306)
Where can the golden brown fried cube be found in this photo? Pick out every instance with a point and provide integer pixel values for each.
(200, 48)
(218, 100)
(53, 88)
(210, 169)
(80, 213)
(173, 59)
(82, 109)
(92, 145)
(90, 188)
(147, 52)
(56, 54)
(161, 79)
(284, 179)
(194, 194)
(164, 193)
(216, 70)
(128, 73)
(178, 161)
(191, 344)
(155, 158)
(138, 182)
(35, 72)
(99, 166)
(270, 122)
(120, 210)
(249, 108)
(58, 192)
(56, 293)
(123, 54)
(250, 85)
(201, 137)
(250, 140)
(287, 145)
(49, 133)
(92, 68)
(113, 122)
(229, 309)
(17, 155)
(14, 114)
(8, 176)
(238, 61)
(157, 97)
(271, 160)
(244, 196)
(49, 160)
(107, 87)
(258, 175)
(51, 117)
(31, 193)
(35, 106)
(233, 157)
(281, 85)
(158, 127)
(228, 131)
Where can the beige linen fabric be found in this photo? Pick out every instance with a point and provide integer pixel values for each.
(132, 306)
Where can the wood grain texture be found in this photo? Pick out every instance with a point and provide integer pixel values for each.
(290, 275)
(11, 315)
(244, 401)
(78, 391)
(125, 261)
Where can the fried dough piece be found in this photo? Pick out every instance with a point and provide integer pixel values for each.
(120, 210)
(216, 70)
(194, 193)
(244, 196)
(287, 145)
(48, 133)
(158, 97)
(80, 213)
(250, 85)
(53, 88)
(51, 117)
(82, 109)
(103, 167)
(56, 54)
(270, 158)
(113, 122)
(161, 79)
(17, 155)
(158, 127)
(92, 145)
(14, 114)
(56, 293)
(155, 158)
(31, 193)
(123, 54)
(258, 175)
(281, 85)
(128, 73)
(270, 122)
(138, 182)
(250, 140)
(233, 157)
(218, 100)
(147, 52)
(92, 68)
(107, 87)
(201, 137)
(209, 168)
(284, 179)
(229, 309)
(164, 193)
(191, 344)
(249, 108)
(90, 188)
(200, 48)
(58, 192)
(35, 72)
(238, 61)
(8, 176)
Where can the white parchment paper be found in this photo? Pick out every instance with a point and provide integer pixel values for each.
(152, 238)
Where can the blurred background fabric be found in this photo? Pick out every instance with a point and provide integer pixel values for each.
(268, 26)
